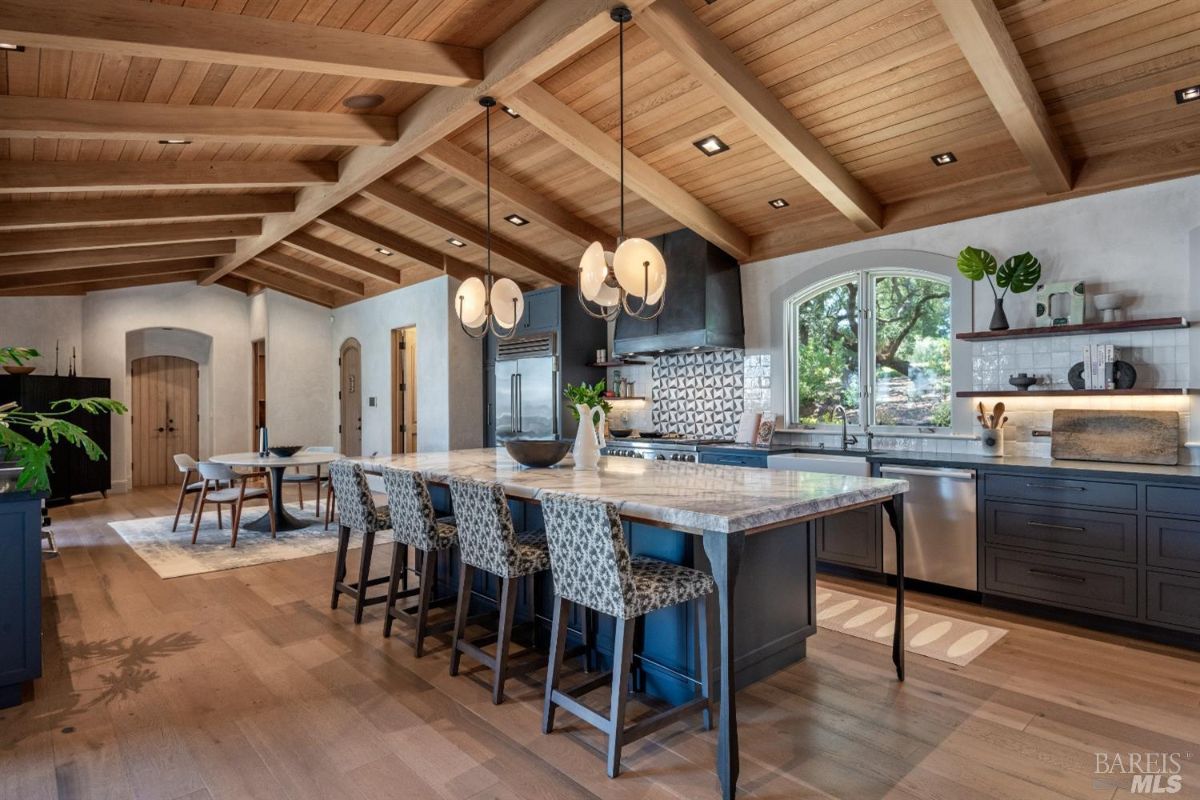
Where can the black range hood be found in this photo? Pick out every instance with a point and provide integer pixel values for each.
(703, 302)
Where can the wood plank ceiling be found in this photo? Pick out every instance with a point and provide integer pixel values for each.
(836, 106)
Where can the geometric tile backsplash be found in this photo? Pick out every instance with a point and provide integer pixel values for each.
(699, 394)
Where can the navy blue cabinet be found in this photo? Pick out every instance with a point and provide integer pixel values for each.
(20, 593)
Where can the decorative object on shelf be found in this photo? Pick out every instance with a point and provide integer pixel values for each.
(585, 402)
(56, 358)
(71, 369)
(1109, 305)
(47, 427)
(637, 269)
(1123, 376)
(764, 430)
(537, 453)
(1018, 274)
(1060, 303)
(488, 305)
(14, 358)
(1022, 381)
(992, 441)
(601, 356)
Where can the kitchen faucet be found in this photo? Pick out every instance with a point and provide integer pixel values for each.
(847, 438)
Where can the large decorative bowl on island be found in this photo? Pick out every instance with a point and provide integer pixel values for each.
(537, 453)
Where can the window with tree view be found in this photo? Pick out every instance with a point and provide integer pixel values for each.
(891, 326)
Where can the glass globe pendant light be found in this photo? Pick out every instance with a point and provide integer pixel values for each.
(485, 304)
(608, 280)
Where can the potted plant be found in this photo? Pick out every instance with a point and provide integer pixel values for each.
(1018, 274)
(27, 436)
(13, 360)
(585, 401)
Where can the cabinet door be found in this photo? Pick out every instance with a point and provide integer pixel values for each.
(850, 538)
(541, 310)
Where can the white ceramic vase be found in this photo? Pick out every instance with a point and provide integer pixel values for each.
(588, 440)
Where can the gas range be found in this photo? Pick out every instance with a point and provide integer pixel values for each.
(666, 448)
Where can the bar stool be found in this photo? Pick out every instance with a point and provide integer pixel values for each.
(487, 541)
(357, 512)
(592, 567)
(415, 525)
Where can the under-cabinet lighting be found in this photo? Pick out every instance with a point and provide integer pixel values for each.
(778, 202)
(383, 251)
(16, 48)
(1187, 94)
(516, 219)
(942, 159)
(456, 242)
(711, 145)
(174, 141)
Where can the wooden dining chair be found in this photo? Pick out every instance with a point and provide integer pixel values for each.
(299, 478)
(187, 465)
(235, 495)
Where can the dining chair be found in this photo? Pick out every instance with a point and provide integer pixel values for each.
(235, 494)
(300, 477)
(186, 465)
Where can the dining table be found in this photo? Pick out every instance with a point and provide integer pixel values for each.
(276, 466)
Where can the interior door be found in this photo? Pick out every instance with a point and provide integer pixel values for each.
(350, 395)
(404, 390)
(166, 421)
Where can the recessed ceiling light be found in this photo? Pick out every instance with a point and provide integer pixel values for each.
(456, 242)
(942, 159)
(16, 48)
(174, 141)
(778, 202)
(1187, 94)
(511, 112)
(360, 101)
(383, 251)
(711, 145)
(516, 219)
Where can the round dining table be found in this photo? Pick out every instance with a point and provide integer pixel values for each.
(276, 465)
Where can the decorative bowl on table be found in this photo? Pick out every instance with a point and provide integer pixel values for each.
(537, 453)
(23, 369)
(285, 451)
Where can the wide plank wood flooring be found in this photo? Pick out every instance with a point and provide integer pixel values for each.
(244, 684)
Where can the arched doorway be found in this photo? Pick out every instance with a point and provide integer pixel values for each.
(165, 416)
(350, 395)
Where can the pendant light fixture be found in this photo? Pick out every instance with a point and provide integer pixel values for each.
(489, 305)
(636, 270)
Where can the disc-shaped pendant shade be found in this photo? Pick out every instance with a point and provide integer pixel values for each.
(504, 292)
(593, 276)
(470, 302)
(640, 268)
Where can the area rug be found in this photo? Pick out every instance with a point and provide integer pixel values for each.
(172, 555)
(945, 638)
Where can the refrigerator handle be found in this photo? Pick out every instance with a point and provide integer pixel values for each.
(512, 402)
(520, 404)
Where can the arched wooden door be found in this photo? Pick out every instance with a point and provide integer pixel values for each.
(166, 417)
(350, 395)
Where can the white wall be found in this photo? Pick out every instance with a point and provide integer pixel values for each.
(301, 377)
(40, 322)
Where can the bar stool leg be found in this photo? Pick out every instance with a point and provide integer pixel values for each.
(364, 574)
(465, 574)
(429, 559)
(339, 564)
(558, 645)
(399, 562)
(622, 660)
(703, 628)
(508, 609)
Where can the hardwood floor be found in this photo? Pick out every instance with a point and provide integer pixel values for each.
(244, 684)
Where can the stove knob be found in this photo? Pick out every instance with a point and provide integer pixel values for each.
(660, 457)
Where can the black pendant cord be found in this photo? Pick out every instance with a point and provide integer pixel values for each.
(487, 117)
(621, 103)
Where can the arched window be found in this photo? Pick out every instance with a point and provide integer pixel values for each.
(877, 343)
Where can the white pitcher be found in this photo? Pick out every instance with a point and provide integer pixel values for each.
(588, 439)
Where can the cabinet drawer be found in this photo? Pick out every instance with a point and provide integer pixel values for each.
(1062, 490)
(850, 538)
(1173, 500)
(1053, 529)
(1173, 543)
(1173, 599)
(734, 459)
(1097, 588)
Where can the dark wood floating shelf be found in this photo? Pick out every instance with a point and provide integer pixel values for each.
(1156, 324)
(1075, 392)
(624, 398)
(626, 362)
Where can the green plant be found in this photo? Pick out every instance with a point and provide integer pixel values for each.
(583, 394)
(1018, 274)
(43, 429)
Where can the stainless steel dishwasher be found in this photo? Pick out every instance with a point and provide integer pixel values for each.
(940, 539)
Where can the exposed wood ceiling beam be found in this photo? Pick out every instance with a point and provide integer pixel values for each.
(62, 213)
(237, 283)
(50, 241)
(556, 119)
(61, 277)
(314, 273)
(58, 118)
(320, 248)
(544, 38)
(470, 170)
(103, 285)
(702, 53)
(390, 240)
(419, 208)
(20, 265)
(293, 286)
(988, 47)
(82, 176)
(130, 27)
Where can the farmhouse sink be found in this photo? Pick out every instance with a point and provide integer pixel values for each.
(835, 463)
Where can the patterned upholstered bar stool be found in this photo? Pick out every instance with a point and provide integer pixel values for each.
(415, 524)
(592, 567)
(357, 511)
(488, 541)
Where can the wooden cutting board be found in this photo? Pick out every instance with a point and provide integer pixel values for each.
(1133, 437)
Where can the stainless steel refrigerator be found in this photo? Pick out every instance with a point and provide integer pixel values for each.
(526, 389)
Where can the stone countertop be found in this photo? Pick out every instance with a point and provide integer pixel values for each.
(692, 497)
(1081, 469)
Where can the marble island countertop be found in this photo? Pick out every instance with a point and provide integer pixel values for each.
(693, 497)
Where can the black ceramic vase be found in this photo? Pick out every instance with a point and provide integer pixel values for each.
(999, 320)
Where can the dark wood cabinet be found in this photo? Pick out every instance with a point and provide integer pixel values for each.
(20, 593)
(851, 538)
(72, 472)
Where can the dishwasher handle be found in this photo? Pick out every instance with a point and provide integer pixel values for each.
(924, 472)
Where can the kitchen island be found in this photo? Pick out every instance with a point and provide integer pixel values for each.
(750, 523)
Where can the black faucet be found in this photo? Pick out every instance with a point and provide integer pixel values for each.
(847, 438)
